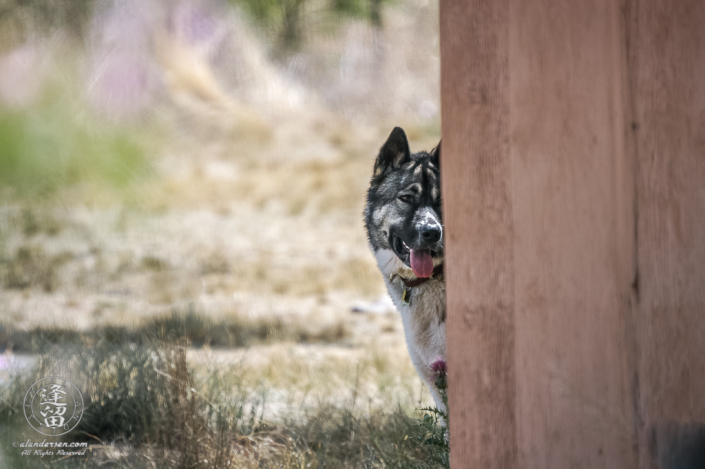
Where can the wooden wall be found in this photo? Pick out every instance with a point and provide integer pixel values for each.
(574, 203)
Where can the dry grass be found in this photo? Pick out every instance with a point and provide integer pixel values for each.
(187, 328)
(171, 415)
(265, 276)
(330, 182)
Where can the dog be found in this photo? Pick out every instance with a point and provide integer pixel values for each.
(405, 232)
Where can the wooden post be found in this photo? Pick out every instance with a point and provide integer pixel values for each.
(574, 190)
(668, 69)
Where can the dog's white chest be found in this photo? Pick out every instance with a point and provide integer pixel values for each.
(423, 318)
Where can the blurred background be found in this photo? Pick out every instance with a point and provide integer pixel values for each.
(181, 195)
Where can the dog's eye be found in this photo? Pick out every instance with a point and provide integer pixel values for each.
(407, 199)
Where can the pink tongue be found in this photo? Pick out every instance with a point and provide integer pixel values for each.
(421, 263)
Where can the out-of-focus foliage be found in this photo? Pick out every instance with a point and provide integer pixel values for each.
(289, 20)
(357, 8)
(20, 18)
(50, 146)
(50, 138)
(192, 327)
(262, 10)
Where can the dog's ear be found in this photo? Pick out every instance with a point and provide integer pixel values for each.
(436, 155)
(394, 153)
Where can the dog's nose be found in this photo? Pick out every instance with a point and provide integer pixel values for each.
(430, 234)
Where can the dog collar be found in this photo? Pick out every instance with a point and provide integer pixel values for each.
(412, 283)
(415, 282)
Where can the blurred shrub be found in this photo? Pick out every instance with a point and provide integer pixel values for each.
(22, 18)
(31, 267)
(262, 10)
(142, 395)
(291, 20)
(180, 327)
(52, 146)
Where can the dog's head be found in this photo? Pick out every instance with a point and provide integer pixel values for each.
(403, 211)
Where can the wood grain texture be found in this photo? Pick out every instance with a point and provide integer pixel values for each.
(574, 201)
(477, 198)
(669, 75)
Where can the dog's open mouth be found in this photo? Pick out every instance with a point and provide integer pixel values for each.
(420, 260)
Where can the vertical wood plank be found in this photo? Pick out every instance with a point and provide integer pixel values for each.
(669, 68)
(477, 215)
(574, 234)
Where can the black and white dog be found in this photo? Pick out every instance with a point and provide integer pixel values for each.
(405, 231)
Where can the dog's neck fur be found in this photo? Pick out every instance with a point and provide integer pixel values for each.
(415, 282)
(423, 319)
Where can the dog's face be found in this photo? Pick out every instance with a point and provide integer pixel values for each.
(403, 211)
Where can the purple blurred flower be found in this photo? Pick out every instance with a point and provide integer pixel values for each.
(195, 25)
(439, 366)
(122, 86)
(124, 76)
